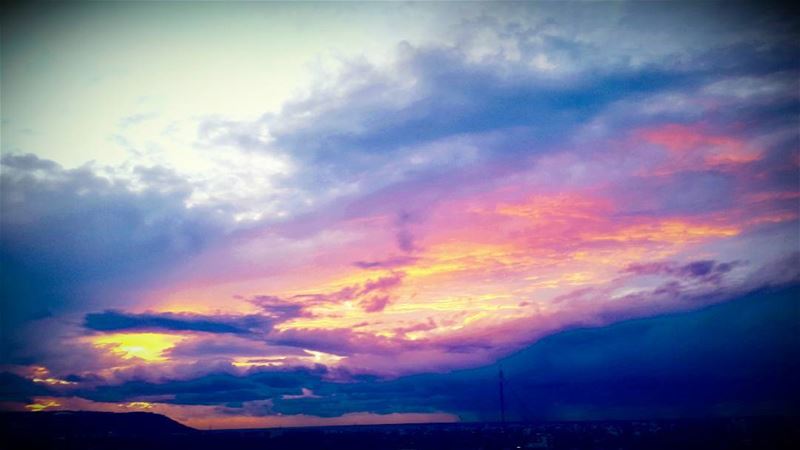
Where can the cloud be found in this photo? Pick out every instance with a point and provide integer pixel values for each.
(372, 294)
(533, 172)
(389, 263)
(228, 347)
(336, 341)
(304, 393)
(14, 388)
(740, 353)
(69, 234)
(420, 122)
(537, 72)
(405, 239)
(375, 303)
(117, 321)
(278, 308)
(210, 389)
(704, 270)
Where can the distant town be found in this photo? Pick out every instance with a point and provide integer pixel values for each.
(89, 430)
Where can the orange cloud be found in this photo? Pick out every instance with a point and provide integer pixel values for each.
(691, 148)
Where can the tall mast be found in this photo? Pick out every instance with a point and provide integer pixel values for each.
(502, 397)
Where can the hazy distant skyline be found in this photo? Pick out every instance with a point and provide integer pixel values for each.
(247, 214)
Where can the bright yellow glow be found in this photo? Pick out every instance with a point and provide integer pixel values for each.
(324, 358)
(138, 405)
(146, 346)
(42, 406)
(450, 257)
(314, 357)
(41, 374)
(52, 381)
(272, 361)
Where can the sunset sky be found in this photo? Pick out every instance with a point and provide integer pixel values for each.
(274, 214)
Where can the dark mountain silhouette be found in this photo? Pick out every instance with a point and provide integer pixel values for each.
(69, 424)
(143, 431)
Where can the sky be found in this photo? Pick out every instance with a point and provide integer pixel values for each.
(248, 214)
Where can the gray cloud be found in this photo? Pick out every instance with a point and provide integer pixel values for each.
(702, 270)
(68, 231)
(115, 321)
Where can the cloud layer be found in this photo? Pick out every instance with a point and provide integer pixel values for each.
(590, 188)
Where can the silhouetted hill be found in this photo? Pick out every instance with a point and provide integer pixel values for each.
(72, 424)
(141, 431)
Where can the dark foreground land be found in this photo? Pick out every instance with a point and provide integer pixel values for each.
(94, 431)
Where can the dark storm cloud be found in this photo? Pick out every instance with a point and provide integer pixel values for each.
(15, 388)
(375, 110)
(66, 229)
(221, 346)
(740, 354)
(213, 388)
(117, 321)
